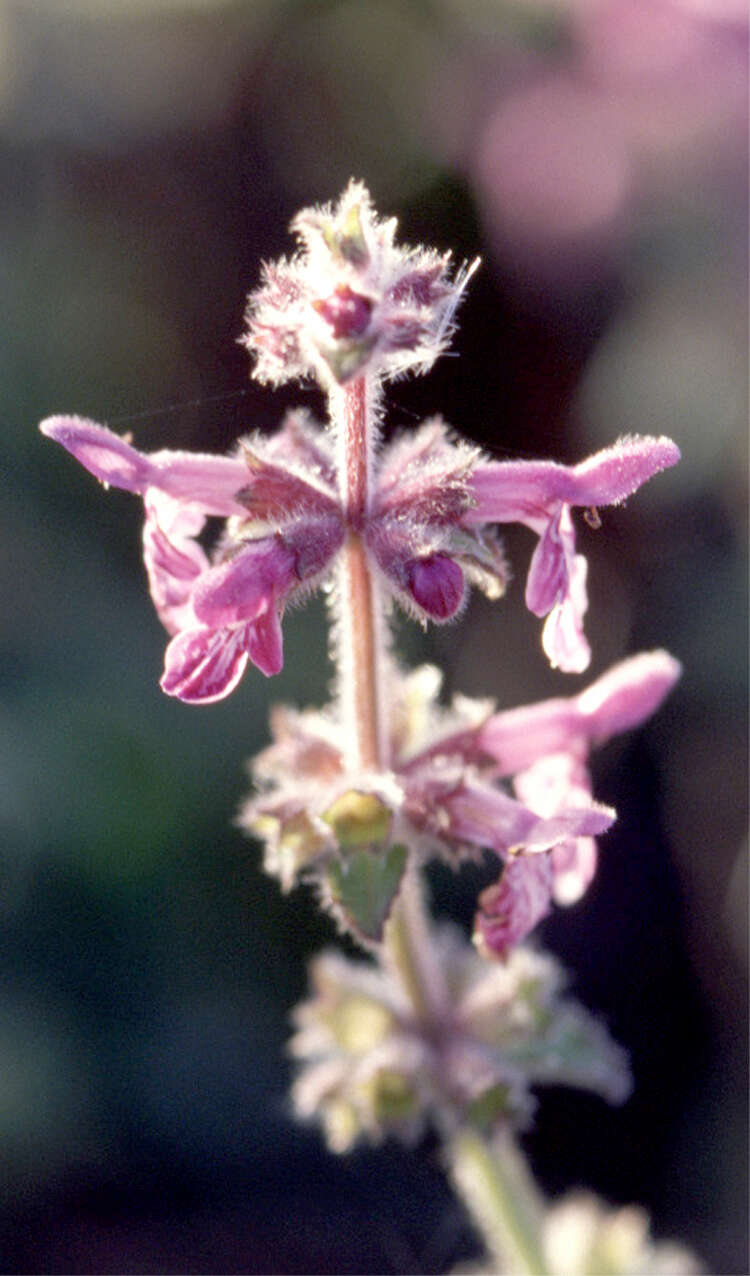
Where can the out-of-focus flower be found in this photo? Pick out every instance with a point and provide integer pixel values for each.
(639, 100)
(352, 300)
(545, 747)
(371, 1068)
(581, 1235)
(441, 795)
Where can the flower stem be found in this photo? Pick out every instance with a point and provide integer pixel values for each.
(493, 1181)
(410, 950)
(359, 628)
(502, 1199)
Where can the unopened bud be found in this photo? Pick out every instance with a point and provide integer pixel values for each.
(347, 312)
(437, 584)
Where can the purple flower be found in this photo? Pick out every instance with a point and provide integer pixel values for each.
(284, 527)
(545, 747)
(427, 530)
(621, 699)
(445, 782)
(225, 610)
(460, 809)
(541, 495)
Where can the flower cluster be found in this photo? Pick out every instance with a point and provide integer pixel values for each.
(443, 795)
(352, 299)
(369, 1067)
(428, 532)
(353, 304)
(350, 304)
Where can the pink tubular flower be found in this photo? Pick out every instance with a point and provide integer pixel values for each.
(541, 495)
(223, 611)
(545, 748)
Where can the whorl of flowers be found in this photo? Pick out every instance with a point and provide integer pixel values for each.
(369, 1068)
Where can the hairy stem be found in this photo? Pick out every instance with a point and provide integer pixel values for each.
(410, 950)
(492, 1180)
(502, 1199)
(359, 631)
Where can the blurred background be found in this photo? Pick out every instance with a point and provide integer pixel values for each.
(152, 152)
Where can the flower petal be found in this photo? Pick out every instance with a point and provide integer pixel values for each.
(563, 639)
(265, 643)
(512, 906)
(547, 582)
(627, 694)
(484, 816)
(621, 699)
(204, 665)
(173, 559)
(208, 482)
(243, 587)
(521, 491)
(554, 783)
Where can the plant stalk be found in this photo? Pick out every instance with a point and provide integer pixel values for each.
(359, 627)
(409, 948)
(493, 1181)
(502, 1199)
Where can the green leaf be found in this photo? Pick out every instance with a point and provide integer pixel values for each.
(363, 886)
(487, 1108)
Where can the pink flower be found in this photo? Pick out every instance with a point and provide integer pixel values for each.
(453, 806)
(427, 530)
(224, 610)
(545, 747)
(511, 908)
(541, 494)
(285, 525)
(621, 699)
(444, 782)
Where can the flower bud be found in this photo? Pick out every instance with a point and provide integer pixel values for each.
(437, 584)
(346, 312)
